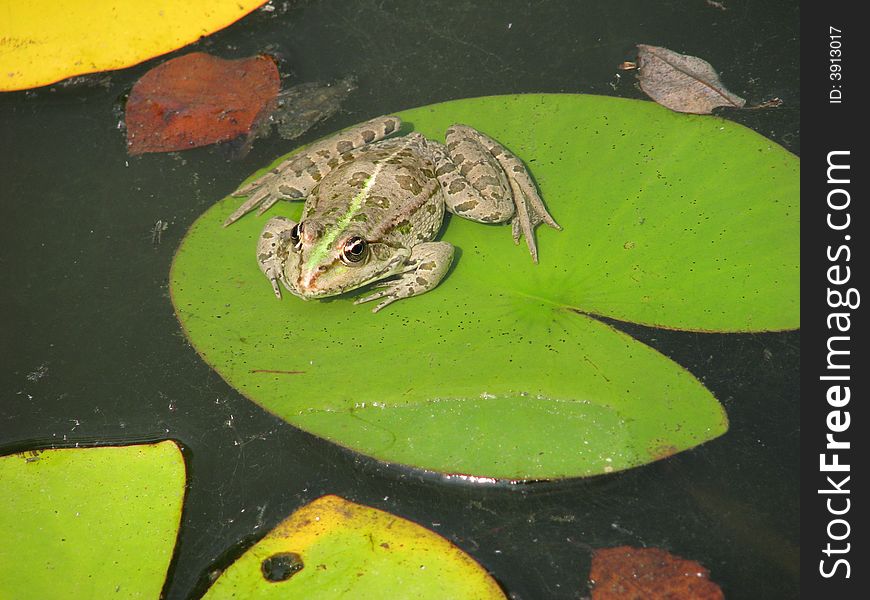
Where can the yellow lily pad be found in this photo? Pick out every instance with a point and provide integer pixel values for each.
(44, 41)
(334, 548)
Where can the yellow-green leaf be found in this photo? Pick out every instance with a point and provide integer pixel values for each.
(333, 548)
(89, 522)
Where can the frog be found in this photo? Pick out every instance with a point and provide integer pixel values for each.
(374, 204)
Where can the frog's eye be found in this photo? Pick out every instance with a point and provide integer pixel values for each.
(354, 251)
(296, 236)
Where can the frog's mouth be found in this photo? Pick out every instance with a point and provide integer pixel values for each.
(308, 284)
(308, 292)
(335, 278)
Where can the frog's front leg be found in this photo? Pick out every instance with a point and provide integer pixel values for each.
(485, 182)
(424, 269)
(294, 178)
(273, 249)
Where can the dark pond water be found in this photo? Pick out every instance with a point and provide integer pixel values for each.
(91, 350)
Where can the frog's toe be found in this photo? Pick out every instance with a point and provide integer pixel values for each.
(386, 292)
(515, 230)
(533, 204)
(383, 284)
(530, 209)
(250, 204)
(383, 304)
(273, 279)
(267, 204)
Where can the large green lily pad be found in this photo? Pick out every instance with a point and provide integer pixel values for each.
(89, 522)
(333, 548)
(678, 221)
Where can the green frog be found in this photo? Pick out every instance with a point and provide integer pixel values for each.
(374, 205)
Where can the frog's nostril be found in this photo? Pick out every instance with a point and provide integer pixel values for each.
(308, 281)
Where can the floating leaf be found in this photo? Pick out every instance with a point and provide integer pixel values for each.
(333, 548)
(44, 41)
(89, 522)
(626, 573)
(302, 106)
(670, 220)
(198, 99)
(681, 82)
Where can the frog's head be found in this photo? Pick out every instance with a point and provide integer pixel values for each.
(315, 260)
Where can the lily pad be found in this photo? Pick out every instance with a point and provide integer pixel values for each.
(89, 522)
(333, 548)
(45, 41)
(670, 220)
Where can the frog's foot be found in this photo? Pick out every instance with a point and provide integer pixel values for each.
(295, 177)
(485, 182)
(273, 248)
(262, 192)
(424, 269)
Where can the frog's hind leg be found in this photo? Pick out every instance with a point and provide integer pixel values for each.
(294, 178)
(485, 182)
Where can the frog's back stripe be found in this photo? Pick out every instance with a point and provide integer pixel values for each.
(320, 251)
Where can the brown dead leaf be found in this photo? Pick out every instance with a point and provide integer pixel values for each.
(198, 99)
(627, 573)
(682, 83)
(302, 106)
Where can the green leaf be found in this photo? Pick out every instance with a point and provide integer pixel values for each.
(89, 522)
(333, 548)
(670, 220)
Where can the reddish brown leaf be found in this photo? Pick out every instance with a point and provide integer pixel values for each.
(198, 99)
(681, 82)
(626, 573)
